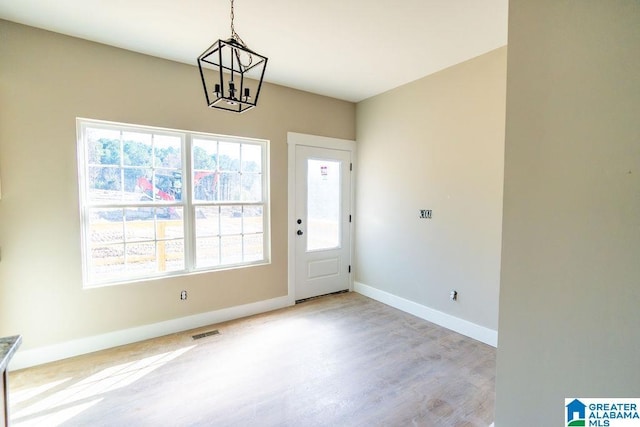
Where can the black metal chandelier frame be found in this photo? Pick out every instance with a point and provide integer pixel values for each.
(229, 86)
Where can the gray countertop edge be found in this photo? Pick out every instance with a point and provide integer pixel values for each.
(8, 347)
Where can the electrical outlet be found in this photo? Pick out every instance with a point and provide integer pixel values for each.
(183, 295)
(453, 295)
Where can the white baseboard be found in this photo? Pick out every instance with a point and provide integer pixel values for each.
(40, 355)
(464, 327)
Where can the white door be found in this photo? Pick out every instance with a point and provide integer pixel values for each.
(322, 221)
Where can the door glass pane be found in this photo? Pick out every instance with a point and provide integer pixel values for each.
(323, 204)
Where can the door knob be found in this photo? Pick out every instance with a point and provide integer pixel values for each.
(299, 233)
(299, 221)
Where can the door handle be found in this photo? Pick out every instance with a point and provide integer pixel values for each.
(299, 233)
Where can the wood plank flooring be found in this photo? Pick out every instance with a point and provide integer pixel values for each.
(339, 360)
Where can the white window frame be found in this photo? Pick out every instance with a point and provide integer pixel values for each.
(188, 202)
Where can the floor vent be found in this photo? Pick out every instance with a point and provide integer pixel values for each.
(205, 334)
(320, 296)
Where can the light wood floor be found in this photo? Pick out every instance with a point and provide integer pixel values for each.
(340, 360)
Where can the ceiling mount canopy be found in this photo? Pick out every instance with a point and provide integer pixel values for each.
(231, 73)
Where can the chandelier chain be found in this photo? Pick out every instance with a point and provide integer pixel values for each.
(235, 36)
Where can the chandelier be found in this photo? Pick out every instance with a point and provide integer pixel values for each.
(231, 73)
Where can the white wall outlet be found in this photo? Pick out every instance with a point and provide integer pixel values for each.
(453, 295)
(183, 295)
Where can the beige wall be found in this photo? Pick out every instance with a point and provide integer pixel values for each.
(436, 143)
(46, 81)
(570, 284)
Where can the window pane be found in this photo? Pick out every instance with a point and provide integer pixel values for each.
(170, 228)
(177, 185)
(136, 149)
(207, 224)
(106, 226)
(251, 158)
(229, 187)
(168, 185)
(105, 184)
(140, 258)
(323, 204)
(252, 219)
(205, 154)
(103, 146)
(207, 252)
(140, 224)
(143, 186)
(140, 214)
(229, 155)
(253, 247)
(231, 249)
(251, 187)
(107, 261)
(171, 255)
(205, 186)
(168, 151)
(230, 220)
(137, 185)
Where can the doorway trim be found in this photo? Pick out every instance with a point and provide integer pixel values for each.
(293, 140)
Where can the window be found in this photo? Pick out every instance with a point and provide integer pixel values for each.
(157, 202)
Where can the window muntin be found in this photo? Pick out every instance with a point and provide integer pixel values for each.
(140, 220)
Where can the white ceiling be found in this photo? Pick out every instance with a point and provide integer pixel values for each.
(347, 49)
